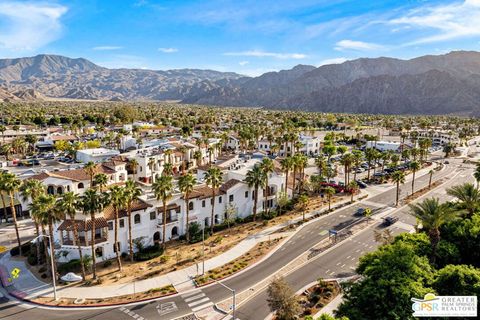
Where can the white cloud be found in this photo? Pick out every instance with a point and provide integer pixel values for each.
(356, 45)
(168, 50)
(106, 48)
(263, 54)
(447, 22)
(29, 25)
(243, 63)
(332, 61)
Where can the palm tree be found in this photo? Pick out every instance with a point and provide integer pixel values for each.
(255, 178)
(287, 165)
(118, 201)
(303, 204)
(267, 167)
(346, 160)
(213, 177)
(132, 192)
(133, 163)
(167, 169)
(93, 202)
(357, 160)
(329, 191)
(162, 188)
(45, 208)
(32, 189)
(476, 174)
(468, 195)
(68, 204)
(399, 178)
(37, 212)
(321, 164)
(9, 184)
(100, 181)
(186, 183)
(183, 150)
(414, 166)
(90, 169)
(433, 215)
(370, 156)
(352, 188)
(197, 155)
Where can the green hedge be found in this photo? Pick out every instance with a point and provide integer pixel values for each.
(25, 250)
(148, 253)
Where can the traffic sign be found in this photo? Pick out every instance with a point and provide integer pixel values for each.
(15, 273)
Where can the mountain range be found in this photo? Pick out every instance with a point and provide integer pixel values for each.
(441, 84)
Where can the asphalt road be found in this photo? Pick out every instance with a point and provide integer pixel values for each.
(256, 308)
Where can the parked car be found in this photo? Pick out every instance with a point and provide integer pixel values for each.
(361, 184)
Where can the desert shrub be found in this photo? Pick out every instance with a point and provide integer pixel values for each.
(107, 263)
(32, 260)
(148, 253)
(25, 250)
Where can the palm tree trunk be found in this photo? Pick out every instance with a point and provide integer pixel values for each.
(413, 181)
(294, 179)
(130, 240)
(45, 245)
(37, 244)
(4, 208)
(267, 194)
(430, 180)
(117, 249)
(255, 198)
(286, 183)
(213, 211)
(92, 244)
(52, 249)
(14, 217)
(188, 213)
(77, 242)
(398, 193)
(164, 225)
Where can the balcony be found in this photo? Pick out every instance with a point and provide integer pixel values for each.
(69, 242)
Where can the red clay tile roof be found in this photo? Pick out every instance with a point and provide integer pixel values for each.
(83, 225)
(229, 184)
(137, 205)
(203, 193)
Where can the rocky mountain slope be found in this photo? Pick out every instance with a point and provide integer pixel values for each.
(425, 85)
(62, 77)
(440, 84)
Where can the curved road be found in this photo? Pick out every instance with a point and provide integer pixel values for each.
(256, 308)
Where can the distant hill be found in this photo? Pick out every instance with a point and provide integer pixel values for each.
(62, 77)
(20, 95)
(430, 84)
(425, 85)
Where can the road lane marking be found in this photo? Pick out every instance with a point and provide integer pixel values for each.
(192, 304)
(195, 297)
(190, 293)
(203, 306)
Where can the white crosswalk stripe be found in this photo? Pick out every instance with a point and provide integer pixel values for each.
(197, 300)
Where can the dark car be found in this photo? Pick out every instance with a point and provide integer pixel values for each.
(361, 184)
(388, 221)
(360, 212)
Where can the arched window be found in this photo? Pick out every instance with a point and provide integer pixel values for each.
(80, 185)
(190, 205)
(174, 231)
(51, 190)
(136, 218)
(156, 237)
(59, 190)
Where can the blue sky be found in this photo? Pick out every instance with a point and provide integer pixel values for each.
(248, 37)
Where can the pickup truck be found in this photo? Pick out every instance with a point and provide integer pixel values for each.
(388, 221)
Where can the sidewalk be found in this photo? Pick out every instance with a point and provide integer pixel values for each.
(28, 286)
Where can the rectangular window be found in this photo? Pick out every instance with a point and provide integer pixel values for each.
(246, 194)
(122, 223)
(152, 215)
(203, 203)
(110, 225)
(230, 198)
(220, 199)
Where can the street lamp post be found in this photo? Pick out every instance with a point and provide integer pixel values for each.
(34, 241)
(233, 296)
(203, 249)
